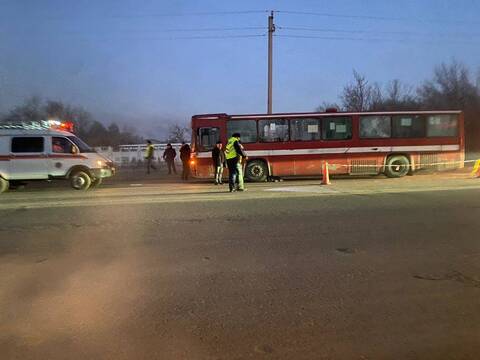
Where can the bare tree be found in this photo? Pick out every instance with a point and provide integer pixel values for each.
(30, 110)
(357, 95)
(178, 133)
(450, 88)
(399, 96)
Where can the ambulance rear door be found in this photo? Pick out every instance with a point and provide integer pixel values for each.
(28, 160)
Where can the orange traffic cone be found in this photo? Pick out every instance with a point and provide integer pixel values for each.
(325, 174)
(476, 169)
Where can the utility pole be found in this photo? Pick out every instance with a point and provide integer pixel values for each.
(271, 30)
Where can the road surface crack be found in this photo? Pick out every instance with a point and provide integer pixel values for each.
(453, 276)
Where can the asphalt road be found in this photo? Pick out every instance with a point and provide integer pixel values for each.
(363, 269)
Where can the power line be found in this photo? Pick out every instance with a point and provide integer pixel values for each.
(408, 33)
(199, 13)
(341, 15)
(345, 38)
(206, 37)
(331, 37)
(200, 29)
(380, 18)
(214, 29)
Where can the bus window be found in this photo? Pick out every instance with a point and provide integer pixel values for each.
(337, 128)
(305, 129)
(208, 137)
(375, 127)
(246, 128)
(442, 125)
(273, 130)
(408, 126)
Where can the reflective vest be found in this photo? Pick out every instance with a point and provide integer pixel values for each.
(230, 152)
(149, 151)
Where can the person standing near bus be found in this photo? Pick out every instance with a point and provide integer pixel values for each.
(242, 160)
(218, 158)
(234, 153)
(185, 157)
(149, 156)
(169, 156)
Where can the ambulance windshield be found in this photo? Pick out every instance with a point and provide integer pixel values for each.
(84, 148)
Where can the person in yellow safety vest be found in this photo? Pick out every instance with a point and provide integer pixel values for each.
(149, 156)
(476, 169)
(234, 153)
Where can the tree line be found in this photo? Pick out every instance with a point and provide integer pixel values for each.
(85, 126)
(451, 87)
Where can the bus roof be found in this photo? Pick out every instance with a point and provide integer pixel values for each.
(307, 114)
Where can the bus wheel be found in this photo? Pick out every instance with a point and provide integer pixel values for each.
(4, 185)
(397, 166)
(96, 183)
(256, 171)
(80, 180)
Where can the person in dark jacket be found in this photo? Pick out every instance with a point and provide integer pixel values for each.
(234, 153)
(169, 156)
(218, 158)
(185, 157)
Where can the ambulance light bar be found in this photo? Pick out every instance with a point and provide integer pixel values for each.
(40, 125)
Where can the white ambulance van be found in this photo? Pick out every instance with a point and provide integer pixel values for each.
(49, 150)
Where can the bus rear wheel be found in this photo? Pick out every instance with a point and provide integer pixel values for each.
(397, 166)
(256, 171)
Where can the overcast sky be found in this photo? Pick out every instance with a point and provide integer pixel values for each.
(140, 61)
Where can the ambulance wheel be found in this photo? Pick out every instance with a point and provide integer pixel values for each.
(397, 166)
(4, 185)
(96, 183)
(80, 180)
(256, 171)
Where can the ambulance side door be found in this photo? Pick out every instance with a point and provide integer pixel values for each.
(28, 159)
(62, 155)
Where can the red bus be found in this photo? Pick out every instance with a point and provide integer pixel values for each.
(356, 143)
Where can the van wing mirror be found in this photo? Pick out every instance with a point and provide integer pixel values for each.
(75, 150)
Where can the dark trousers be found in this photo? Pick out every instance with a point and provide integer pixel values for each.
(150, 165)
(232, 172)
(171, 166)
(186, 169)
